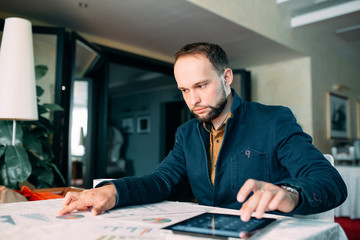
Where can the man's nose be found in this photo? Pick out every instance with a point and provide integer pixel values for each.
(195, 99)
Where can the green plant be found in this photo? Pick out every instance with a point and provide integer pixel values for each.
(31, 157)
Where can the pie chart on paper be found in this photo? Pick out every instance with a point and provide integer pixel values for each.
(72, 216)
(157, 220)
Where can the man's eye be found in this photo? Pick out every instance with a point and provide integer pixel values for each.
(202, 86)
(184, 90)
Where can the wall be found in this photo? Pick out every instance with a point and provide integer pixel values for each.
(330, 71)
(143, 149)
(327, 67)
(271, 84)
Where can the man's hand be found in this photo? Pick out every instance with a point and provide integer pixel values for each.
(266, 197)
(100, 199)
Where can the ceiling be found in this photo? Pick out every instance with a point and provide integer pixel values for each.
(335, 23)
(163, 26)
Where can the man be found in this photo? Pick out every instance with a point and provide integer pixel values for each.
(235, 154)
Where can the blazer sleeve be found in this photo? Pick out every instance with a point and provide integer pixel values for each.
(155, 187)
(321, 186)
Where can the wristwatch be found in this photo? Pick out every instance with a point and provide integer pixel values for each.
(290, 189)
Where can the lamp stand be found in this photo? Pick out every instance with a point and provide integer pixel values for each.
(14, 131)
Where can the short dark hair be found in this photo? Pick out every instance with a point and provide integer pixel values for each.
(213, 52)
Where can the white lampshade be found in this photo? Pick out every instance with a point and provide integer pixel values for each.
(17, 73)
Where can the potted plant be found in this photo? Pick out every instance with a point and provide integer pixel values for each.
(31, 157)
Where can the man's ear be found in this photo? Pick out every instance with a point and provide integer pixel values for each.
(228, 76)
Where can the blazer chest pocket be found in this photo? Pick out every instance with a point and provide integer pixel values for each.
(248, 163)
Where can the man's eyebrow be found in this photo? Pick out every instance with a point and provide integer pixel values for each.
(201, 82)
(195, 84)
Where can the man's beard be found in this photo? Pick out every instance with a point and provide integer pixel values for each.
(215, 110)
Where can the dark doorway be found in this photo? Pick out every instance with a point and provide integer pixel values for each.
(176, 113)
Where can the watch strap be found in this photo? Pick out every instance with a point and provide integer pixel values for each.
(290, 189)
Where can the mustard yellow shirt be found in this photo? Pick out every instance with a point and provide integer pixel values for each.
(216, 139)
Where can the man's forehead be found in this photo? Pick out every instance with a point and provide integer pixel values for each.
(192, 56)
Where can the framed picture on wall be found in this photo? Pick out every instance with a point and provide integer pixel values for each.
(358, 119)
(338, 116)
(143, 124)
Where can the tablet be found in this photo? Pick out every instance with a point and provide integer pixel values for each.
(221, 225)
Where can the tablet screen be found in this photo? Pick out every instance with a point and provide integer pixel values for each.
(222, 225)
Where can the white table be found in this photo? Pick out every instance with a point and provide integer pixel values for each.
(36, 220)
(351, 206)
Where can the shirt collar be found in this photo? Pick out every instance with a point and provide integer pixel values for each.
(209, 127)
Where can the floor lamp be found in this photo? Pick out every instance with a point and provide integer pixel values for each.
(17, 73)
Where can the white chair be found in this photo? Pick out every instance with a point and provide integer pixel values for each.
(325, 216)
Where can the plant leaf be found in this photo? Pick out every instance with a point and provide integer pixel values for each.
(31, 143)
(58, 172)
(2, 150)
(53, 107)
(39, 91)
(40, 71)
(43, 175)
(45, 124)
(5, 181)
(18, 164)
(3, 175)
(40, 127)
(42, 109)
(6, 128)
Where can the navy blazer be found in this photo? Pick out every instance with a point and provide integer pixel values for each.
(260, 142)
